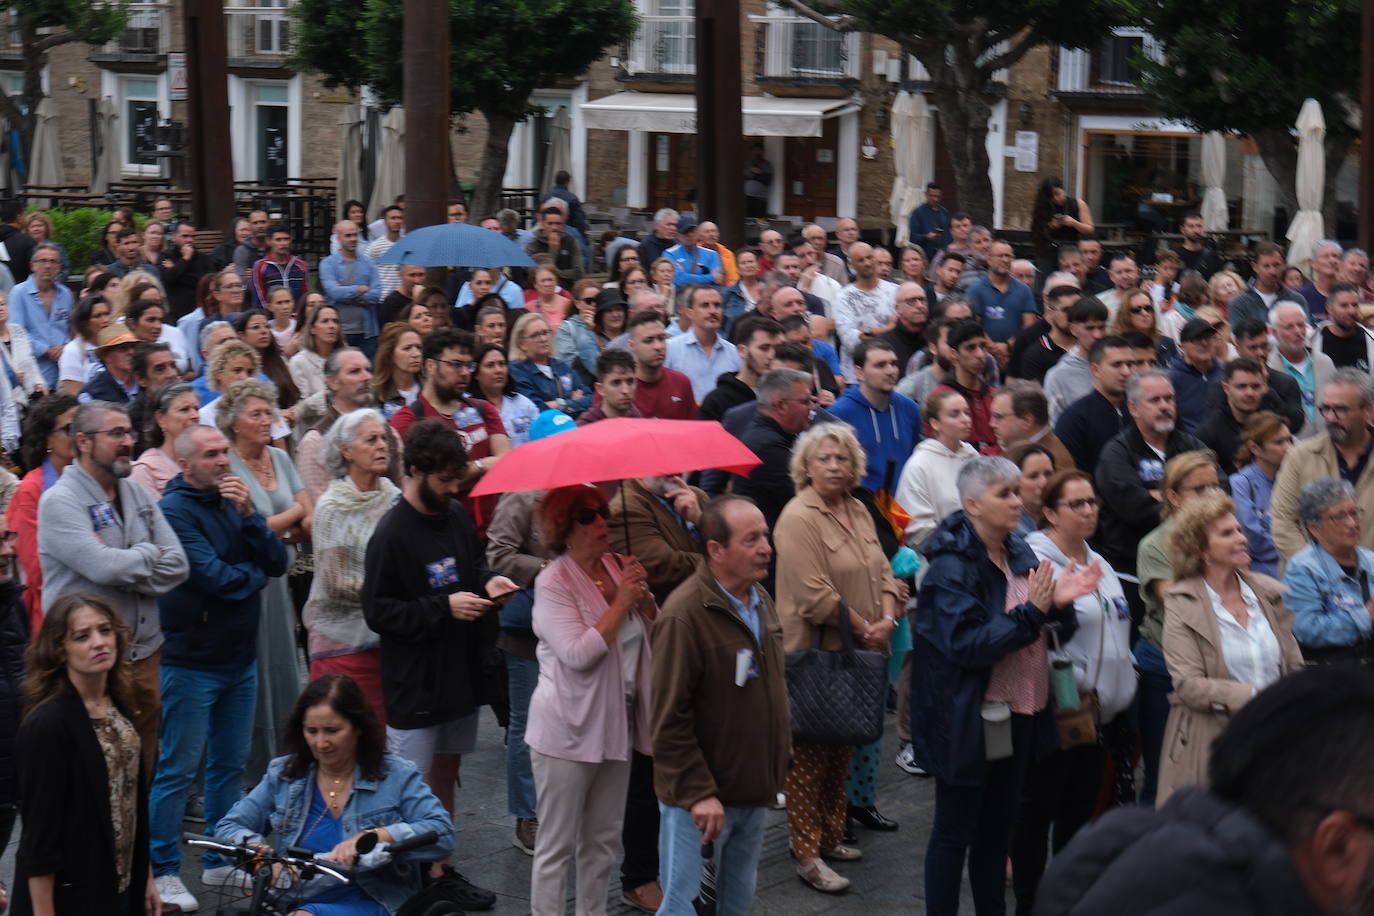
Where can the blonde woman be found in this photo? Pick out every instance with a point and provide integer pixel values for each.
(1227, 636)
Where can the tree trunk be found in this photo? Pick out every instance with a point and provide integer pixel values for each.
(486, 197)
(1279, 152)
(957, 83)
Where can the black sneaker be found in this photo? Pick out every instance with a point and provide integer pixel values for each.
(463, 893)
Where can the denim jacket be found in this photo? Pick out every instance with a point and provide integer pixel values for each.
(1328, 608)
(400, 801)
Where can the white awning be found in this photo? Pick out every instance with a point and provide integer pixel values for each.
(764, 116)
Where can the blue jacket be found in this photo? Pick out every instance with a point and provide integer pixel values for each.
(698, 266)
(924, 220)
(1252, 492)
(576, 344)
(399, 801)
(539, 388)
(961, 632)
(1328, 608)
(889, 434)
(1190, 392)
(333, 274)
(210, 621)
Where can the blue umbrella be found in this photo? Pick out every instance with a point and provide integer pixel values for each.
(456, 245)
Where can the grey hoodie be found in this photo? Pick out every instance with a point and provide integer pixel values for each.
(128, 557)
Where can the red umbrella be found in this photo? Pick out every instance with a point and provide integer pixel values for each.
(615, 450)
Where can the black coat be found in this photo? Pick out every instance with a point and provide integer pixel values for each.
(64, 790)
(1195, 855)
(770, 484)
(1128, 473)
(14, 637)
(1284, 398)
(729, 392)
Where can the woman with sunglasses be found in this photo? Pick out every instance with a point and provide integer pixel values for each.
(592, 613)
(1062, 787)
(576, 342)
(1186, 477)
(1137, 315)
(548, 382)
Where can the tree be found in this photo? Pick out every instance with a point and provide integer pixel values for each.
(1247, 67)
(500, 53)
(63, 22)
(962, 43)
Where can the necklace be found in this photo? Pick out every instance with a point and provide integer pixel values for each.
(261, 466)
(340, 786)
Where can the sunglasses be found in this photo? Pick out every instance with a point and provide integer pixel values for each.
(587, 514)
(1142, 309)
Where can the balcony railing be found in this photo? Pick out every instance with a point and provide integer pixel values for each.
(148, 31)
(663, 45)
(791, 47)
(258, 33)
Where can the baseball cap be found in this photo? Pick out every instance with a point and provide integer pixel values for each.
(550, 423)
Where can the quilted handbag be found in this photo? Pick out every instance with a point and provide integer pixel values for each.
(836, 697)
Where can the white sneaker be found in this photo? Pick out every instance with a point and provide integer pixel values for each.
(227, 876)
(173, 892)
(906, 761)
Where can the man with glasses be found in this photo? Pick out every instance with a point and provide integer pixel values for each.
(1002, 303)
(102, 533)
(426, 593)
(114, 381)
(1293, 357)
(1130, 471)
(786, 406)
(826, 263)
(908, 335)
(1342, 452)
(44, 307)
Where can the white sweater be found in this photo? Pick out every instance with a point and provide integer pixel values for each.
(928, 490)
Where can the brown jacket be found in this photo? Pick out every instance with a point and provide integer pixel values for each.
(710, 736)
(1205, 695)
(820, 561)
(656, 538)
(1051, 443)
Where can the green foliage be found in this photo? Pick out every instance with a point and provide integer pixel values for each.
(500, 51)
(1247, 67)
(78, 230)
(93, 22)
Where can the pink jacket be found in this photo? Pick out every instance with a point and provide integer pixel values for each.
(578, 708)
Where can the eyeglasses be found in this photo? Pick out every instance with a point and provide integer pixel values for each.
(1349, 515)
(1078, 505)
(912, 300)
(8, 537)
(457, 364)
(538, 335)
(589, 300)
(119, 432)
(586, 515)
(1199, 490)
(1340, 411)
(231, 286)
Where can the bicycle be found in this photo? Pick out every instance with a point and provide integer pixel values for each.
(272, 877)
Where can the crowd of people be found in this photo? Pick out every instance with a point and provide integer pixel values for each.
(1087, 515)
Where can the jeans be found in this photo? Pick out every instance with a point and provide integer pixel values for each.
(639, 834)
(736, 855)
(367, 344)
(975, 821)
(203, 712)
(1152, 698)
(521, 676)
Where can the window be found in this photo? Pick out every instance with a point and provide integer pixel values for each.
(140, 120)
(1115, 60)
(143, 34)
(817, 50)
(671, 36)
(274, 31)
(271, 130)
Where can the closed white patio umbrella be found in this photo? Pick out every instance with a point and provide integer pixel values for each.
(45, 159)
(913, 139)
(1215, 217)
(390, 182)
(350, 186)
(1307, 228)
(107, 167)
(560, 148)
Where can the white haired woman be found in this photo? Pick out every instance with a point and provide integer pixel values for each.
(357, 451)
(980, 675)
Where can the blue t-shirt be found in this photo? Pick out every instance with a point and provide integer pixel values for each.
(323, 832)
(1001, 312)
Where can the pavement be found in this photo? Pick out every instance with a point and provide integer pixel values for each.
(887, 880)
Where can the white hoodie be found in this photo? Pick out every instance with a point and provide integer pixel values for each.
(1103, 621)
(928, 489)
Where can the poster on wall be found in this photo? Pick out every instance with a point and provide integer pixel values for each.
(1027, 151)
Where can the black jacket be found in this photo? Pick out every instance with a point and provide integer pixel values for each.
(1128, 472)
(770, 484)
(1221, 433)
(105, 387)
(432, 663)
(1284, 398)
(1196, 855)
(19, 248)
(905, 343)
(1087, 425)
(181, 280)
(64, 790)
(14, 637)
(729, 392)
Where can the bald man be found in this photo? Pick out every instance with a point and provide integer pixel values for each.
(352, 285)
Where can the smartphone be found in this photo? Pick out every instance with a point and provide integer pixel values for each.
(503, 598)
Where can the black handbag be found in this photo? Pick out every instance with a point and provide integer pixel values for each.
(836, 697)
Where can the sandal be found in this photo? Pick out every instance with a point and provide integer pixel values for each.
(842, 853)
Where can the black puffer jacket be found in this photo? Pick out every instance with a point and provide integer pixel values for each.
(1196, 855)
(14, 638)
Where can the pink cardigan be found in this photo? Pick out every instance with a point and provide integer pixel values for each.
(578, 708)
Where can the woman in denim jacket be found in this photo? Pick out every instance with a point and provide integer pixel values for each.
(1329, 580)
(337, 783)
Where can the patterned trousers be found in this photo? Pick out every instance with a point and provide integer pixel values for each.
(816, 797)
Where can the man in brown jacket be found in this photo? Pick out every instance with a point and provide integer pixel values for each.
(721, 726)
(655, 518)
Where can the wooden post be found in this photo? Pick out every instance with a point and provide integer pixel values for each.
(211, 166)
(1366, 233)
(720, 119)
(426, 96)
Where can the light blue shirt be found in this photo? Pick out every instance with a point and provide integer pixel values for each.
(340, 279)
(749, 613)
(697, 266)
(506, 288)
(688, 356)
(46, 329)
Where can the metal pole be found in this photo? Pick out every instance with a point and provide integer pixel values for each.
(211, 166)
(1366, 124)
(720, 119)
(426, 96)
